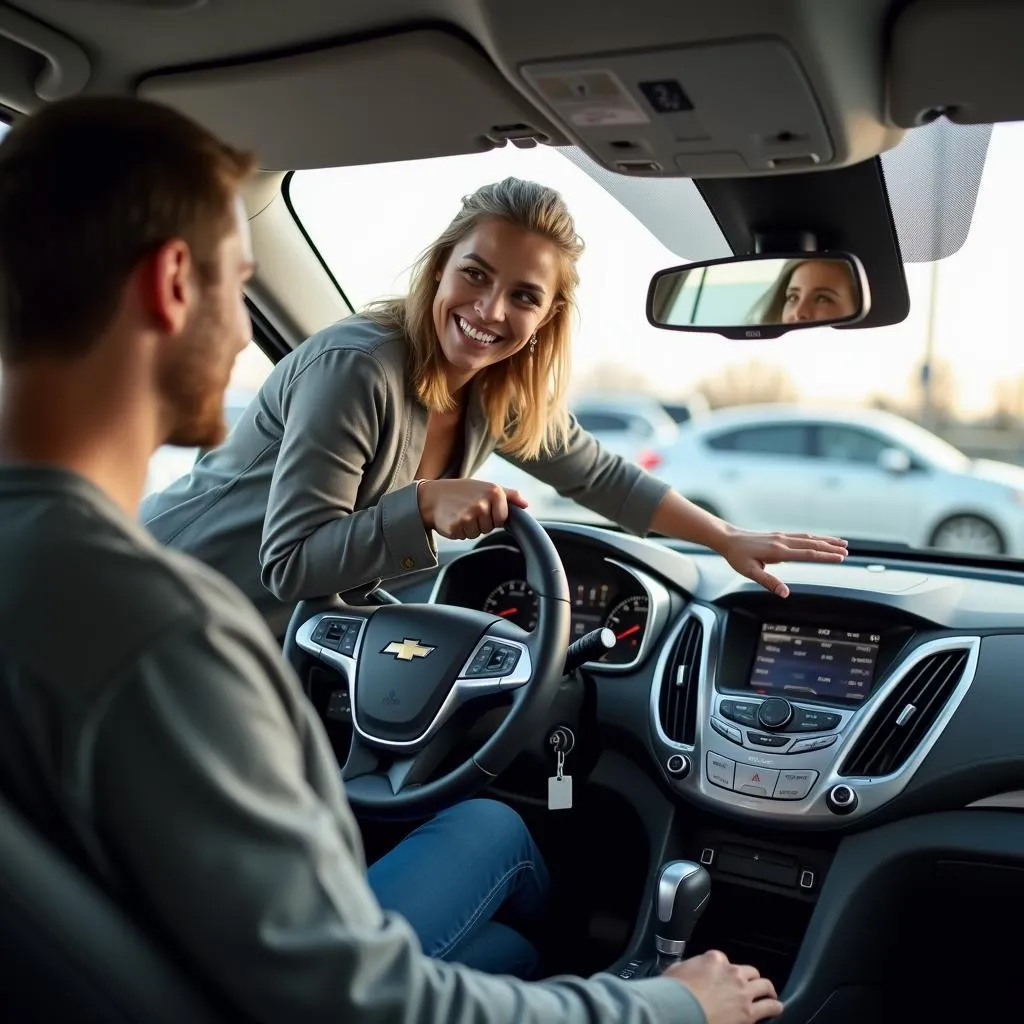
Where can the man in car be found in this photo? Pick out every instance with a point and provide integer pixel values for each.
(183, 761)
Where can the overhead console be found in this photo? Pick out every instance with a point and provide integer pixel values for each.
(718, 109)
(810, 717)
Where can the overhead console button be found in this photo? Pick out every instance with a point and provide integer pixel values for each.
(721, 770)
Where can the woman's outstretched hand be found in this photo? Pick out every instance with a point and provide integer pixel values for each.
(465, 509)
(748, 553)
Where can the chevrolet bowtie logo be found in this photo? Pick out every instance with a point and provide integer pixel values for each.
(407, 650)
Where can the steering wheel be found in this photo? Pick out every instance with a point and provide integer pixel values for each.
(410, 667)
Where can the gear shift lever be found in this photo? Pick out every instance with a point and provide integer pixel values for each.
(684, 889)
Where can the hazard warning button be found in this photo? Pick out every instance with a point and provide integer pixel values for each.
(755, 781)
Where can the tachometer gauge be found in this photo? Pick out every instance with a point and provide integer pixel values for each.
(516, 601)
(628, 621)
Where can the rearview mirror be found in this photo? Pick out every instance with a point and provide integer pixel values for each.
(761, 296)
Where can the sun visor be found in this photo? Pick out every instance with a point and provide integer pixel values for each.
(961, 60)
(413, 95)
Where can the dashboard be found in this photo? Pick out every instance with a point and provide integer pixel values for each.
(874, 688)
(821, 755)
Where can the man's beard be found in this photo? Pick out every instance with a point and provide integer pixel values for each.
(193, 386)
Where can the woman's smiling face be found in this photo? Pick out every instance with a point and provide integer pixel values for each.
(495, 291)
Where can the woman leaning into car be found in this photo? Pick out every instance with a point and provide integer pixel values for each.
(362, 443)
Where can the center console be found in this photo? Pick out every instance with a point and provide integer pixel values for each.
(807, 718)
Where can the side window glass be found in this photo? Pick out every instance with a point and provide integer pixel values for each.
(602, 422)
(168, 463)
(790, 439)
(849, 445)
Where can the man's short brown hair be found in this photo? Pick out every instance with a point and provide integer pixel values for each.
(88, 188)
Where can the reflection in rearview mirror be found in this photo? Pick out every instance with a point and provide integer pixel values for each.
(760, 296)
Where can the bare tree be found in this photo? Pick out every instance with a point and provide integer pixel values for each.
(748, 384)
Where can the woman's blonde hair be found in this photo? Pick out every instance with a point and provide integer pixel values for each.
(524, 395)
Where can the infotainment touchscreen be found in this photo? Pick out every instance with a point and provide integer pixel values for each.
(834, 665)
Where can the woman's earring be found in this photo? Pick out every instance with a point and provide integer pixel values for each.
(533, 343)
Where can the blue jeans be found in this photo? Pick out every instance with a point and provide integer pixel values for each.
(453, 874)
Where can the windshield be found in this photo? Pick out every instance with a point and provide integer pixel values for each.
(951, 377)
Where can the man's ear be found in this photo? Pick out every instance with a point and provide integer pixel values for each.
(168, 286)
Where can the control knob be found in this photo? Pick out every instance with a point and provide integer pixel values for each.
(841, 799)
(775, 712)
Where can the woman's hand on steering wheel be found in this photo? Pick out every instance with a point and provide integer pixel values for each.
(465, 509)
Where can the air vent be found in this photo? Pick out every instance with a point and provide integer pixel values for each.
(678, 704)
(903, 719)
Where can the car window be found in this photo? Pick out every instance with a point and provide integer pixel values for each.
(603, 421)
(850, 445)
(790, 439)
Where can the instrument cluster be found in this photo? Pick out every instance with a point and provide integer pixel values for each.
(604, 593)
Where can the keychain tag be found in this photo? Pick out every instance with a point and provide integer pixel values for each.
(560, 788)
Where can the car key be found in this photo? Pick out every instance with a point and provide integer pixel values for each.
(560, 784)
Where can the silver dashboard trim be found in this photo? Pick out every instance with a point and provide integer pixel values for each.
(1012, 800)
(463, 689)
(659, 602)
(872, 792)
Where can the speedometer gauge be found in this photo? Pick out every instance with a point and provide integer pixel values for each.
(628, 621)
(516, 601)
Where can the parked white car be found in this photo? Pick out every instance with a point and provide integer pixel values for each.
(861, 474)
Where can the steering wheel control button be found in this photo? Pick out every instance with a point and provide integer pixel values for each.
(766, 739)
(336, 633)
(794, 785)
(678, 766)
(492, 660)
(738, 711)
(755, 781)
(774, 713)
(841, 799)
(805, 720)
(812, 743)
(339, 706)
(721, 770)
(728, 731)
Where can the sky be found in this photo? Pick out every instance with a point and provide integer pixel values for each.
(371, 222)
